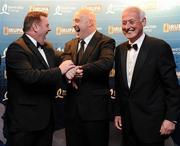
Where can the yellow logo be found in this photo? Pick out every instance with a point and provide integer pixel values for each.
(60, 93)
(171, 27)
(96, 8)
(66, 31)
(39, 8)
(114, 29)
(11, 31)
(112, 73)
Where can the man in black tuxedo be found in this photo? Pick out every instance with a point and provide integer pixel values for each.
(146, 85)
(34, 74)
(86, 103)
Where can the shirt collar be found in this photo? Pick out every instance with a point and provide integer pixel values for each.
(32, 39)
(139, 41)
(88, 38)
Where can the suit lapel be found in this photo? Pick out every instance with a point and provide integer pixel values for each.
(91, 46)
(143, 52)
(123, 63)
(74, 50)
(48, 57)
(34, 49)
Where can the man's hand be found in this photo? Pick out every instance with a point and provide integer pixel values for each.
(79, 72)
(167, 127)
(118, 122)
(66, 65)
(74, 72)
(70, 74)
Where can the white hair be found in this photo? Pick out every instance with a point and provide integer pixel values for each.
(136, 9)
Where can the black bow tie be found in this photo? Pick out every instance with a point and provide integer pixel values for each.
(40, 46)
(130, 46)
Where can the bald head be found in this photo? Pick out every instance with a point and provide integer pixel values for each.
(84, 22)
(140, 13)
(85, 12)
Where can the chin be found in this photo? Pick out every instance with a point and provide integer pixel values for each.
(130, 36)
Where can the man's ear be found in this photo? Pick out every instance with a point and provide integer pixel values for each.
(144, 22)
(35, 27)
(90, 22)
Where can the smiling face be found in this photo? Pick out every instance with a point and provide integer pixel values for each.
(36, 25)
(84, 23)
(133, 22)
(80, 24)
(43, 29)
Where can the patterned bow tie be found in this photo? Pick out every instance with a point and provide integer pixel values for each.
(130, 46)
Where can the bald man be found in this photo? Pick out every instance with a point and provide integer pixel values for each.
(86, 104)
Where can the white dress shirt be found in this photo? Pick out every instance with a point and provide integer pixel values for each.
(131, 59)
(39, 49)
(87, 40)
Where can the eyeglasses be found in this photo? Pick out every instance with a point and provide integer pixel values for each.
(131, 21)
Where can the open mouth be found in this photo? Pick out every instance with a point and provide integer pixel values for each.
(77, 29)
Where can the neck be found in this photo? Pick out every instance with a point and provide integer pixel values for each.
(35, 36)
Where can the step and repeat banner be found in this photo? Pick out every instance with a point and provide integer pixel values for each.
(163, 21)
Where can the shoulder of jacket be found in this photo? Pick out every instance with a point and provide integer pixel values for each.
(105, 36)
(20, 42)
(48, 44)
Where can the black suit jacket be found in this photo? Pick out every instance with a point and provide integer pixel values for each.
(90, 101)
(31, 85)
(153, 95)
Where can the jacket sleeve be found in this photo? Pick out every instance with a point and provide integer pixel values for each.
(105, 59)
(166, 67)
(19, 63)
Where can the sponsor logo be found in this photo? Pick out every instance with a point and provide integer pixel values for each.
(60, 49)
(60, 93)
(149, 28)
(176, 51)
(39, 8)
(4, 9)
(112, 9)
(113, 94)
(63, 9)
(5, 97)
(4, 53)
(99, 28)
(7, 9)
(5, 74)
(168, 5)
(112, 73)
(58, 10)
(114, 29)
(64, 31)
(11, 31)
(178, 75)
(151, 5)
(96, 8)
(171, 27)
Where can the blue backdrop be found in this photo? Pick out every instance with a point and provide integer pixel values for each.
(163, 21)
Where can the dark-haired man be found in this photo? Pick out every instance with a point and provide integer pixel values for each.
(34, 74)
